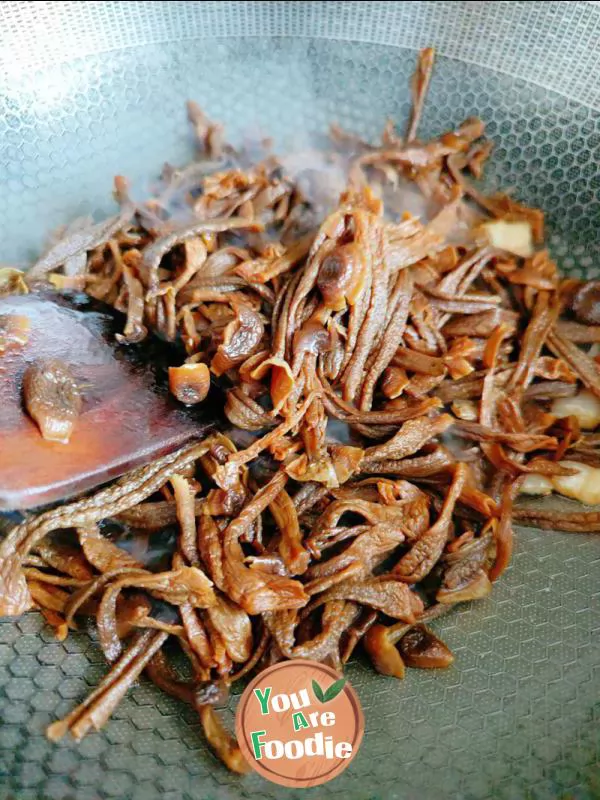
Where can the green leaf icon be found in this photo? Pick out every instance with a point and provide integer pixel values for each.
(335, 688)
(318, 692)
(330, 693)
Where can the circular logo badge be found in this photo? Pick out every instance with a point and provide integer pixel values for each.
(299, 723)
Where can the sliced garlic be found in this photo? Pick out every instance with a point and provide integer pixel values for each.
(465, 409)
(536, 485)
(514, 237)
(12, 281)
(584, 405)
(584, 486)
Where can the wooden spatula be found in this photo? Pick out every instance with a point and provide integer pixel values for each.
(127, 417)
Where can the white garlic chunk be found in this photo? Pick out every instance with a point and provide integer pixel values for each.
(535, 484)
(584, 405)
(583, 486)
(514, 237)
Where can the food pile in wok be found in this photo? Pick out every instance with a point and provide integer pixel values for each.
(391, 384)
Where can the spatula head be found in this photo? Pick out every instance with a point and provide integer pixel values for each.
(127, 417)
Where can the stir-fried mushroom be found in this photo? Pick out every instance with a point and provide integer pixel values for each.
(52, 398)
(389, 386)
(189, 383)
(421, 648)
